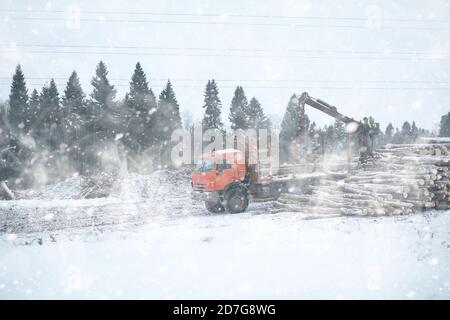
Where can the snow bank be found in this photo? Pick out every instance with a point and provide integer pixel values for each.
(257, 256)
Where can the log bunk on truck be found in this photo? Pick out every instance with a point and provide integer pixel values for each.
(225, 179)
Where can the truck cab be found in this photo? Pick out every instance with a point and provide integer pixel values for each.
(216, 170)
(224, 180)
(215, 174)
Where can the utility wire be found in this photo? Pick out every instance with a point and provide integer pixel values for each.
(224, 15)
(166, 54)
(231, 23)
(283, 51)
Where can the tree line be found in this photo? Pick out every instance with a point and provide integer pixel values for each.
(333, 137)
(46, 135)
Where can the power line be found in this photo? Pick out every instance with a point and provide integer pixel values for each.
(165, 54)
(231, 23)
(226, 15)
(284, 51)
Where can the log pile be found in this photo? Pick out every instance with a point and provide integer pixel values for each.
(402, 180)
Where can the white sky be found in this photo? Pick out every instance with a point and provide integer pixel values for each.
(413, 86)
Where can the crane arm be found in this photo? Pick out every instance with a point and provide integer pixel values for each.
(325, 108)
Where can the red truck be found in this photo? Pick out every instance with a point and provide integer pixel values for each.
(225, 179)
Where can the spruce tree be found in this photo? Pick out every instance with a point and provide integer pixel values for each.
(256, 117)
(168, 116)
(414, 131)
(212, 106)
(18, 101)
(101, 107)
(50, 117)
(312, 130)
(34, 111)
(13, 155)
(75, 116)
(166, 119)
(406, 128)
(389, 133)
(406, 132)
(141, 104)
(339, 134)
(290, 125)
(238, 110)
(444, 126)
(104, 93)
(389, 130)
(74, 100)
(330, 136)
(290, 129)
(397, 138)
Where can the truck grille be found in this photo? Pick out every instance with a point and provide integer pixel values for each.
(201, 187)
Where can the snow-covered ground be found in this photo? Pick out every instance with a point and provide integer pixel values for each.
(150, 240)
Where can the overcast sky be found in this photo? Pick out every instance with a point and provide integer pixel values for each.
(389, 59)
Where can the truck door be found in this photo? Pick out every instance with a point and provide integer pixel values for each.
(225, 174)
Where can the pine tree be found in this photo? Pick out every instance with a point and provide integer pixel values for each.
(102, 124)
(141, 104)
(339, 134)
(168, 116)
(166, 119)
(406, 132)
(14, 154)
(18, 101)
(74, 100)
(444, 126)
(406, 128)
(290, 129)
(256, 117)
(103, 94)
(389, 130)
(238, 110)
(3, 119)
(50, 117)
(330, 136)
(397, 138)
(34, 111)
(312, 130)
(414, 131)
(75, 115)
(212, 106)
(389, 133)
(290, 125)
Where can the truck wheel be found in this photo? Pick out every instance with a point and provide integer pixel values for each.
(214, 207)
(237, 200)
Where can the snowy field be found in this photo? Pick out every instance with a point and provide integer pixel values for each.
(150, 240)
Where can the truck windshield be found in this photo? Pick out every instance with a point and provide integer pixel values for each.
(204, 165)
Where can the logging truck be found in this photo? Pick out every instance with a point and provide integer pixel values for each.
(226, 179)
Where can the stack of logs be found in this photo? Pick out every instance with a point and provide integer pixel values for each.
(404, 179)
